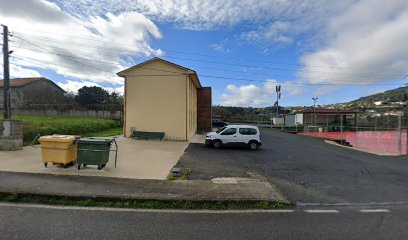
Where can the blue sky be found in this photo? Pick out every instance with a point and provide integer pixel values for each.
(335, 50)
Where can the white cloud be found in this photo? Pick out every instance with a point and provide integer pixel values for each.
(290, 19)
(366, 44)
(277, 32)
(21, 72)
(374, 91)
(220, 47)
(253, 95)
(204, 14)
(242, 96)
(18, 71)
(29, 10)
(74, 86)
(106, 40)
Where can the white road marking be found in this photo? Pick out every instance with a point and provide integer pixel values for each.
(321, 211)
(351, 204)
(111, 209)
(374, 210)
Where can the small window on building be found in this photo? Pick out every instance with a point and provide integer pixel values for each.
(247, 131)
(229, 131)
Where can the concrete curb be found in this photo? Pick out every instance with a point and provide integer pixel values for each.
(246, 190)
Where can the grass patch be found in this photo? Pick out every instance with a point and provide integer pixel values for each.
(183, 175)
(144, 204)
(106, 133)
(84, 126)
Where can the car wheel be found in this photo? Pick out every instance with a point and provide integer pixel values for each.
(217, 144)
(253, 145)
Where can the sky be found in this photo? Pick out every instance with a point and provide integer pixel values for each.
(334, 50)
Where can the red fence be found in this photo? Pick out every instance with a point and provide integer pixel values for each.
(387, 142)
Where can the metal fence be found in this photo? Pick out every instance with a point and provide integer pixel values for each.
(379, 134)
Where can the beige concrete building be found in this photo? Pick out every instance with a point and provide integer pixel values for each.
(161, 96)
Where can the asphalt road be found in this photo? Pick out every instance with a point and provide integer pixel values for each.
(18, 222)
(327, 182)
(307, 170)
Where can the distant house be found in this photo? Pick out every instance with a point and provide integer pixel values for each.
(26, 92)
(321, 116)
(161, 96)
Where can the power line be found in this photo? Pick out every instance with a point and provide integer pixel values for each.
(210, 76)
(70, 56)
(252, 66)
(231, 78)
(122, 65)
(35, 60)
(228, 70)
(198, 54)
(60, 54)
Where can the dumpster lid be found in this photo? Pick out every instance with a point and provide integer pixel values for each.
(58, 138)
(94, 140)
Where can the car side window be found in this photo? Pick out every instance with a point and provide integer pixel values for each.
(229, 131)
(243, 131)
(247, 131)
(252, 131)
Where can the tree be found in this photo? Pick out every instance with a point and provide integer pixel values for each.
(115, 98)
(69, 98)
(92, 95)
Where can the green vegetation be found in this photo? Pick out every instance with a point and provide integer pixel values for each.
(84, 126)
(88, 96)
(105, 133)
(393, 95)
(146, 204)
(245, 114)
(183, 175)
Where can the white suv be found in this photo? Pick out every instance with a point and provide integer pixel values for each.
(235, 135)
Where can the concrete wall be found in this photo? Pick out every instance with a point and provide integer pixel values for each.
(157, 100)
(67, 113)
(11, 135)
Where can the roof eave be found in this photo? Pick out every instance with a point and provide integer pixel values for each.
(195, 78)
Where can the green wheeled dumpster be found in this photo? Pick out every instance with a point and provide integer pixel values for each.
(95, 151)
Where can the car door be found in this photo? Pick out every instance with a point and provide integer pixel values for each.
(229, 136)
(244, 135)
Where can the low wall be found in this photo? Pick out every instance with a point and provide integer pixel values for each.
(68, 113)
(11, 135)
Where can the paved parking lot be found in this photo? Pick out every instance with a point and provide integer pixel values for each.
(306, 169)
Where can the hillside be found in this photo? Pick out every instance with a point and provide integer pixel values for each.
(394, 95)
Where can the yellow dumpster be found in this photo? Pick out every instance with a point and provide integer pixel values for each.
(60, 149)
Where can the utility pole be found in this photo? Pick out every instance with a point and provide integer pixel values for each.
(278, 96)
(6, 75)
(314, 110)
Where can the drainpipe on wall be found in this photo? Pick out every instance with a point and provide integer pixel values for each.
(187, 78)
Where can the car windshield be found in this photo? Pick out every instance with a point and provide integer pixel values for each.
(222, 129)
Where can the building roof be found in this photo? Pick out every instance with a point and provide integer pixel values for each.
(20, 82)
(327, 111)
(190, 72)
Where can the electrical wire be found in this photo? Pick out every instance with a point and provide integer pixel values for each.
(192, 53)
(218, 69)
(208, 76)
